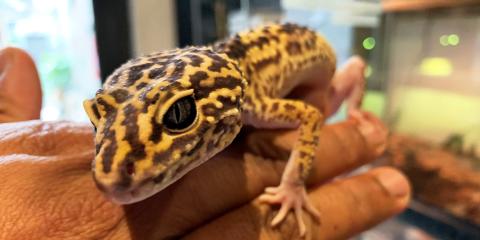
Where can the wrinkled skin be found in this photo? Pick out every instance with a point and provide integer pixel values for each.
(48, 193)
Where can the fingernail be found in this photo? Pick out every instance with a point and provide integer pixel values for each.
(395, 183)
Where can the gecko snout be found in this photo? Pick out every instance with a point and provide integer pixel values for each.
(120, 191)
(122, 186)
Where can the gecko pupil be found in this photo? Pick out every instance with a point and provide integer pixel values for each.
(181, 114)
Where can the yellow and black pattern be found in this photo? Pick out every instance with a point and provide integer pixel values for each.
(214, 90)
(132, 144)
(275, 59)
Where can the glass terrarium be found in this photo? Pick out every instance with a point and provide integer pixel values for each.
(430, 62)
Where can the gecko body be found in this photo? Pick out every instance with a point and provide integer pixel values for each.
(161, 115)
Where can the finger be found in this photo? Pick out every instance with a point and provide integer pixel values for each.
(61, 184)
(372, 119)
(6, 118)
(348, 207)
(355, 114)
(313, 211)
(375, 131)
(9, 111)
(45, 138)
(19, 82)
(261, 143)
(343, 137)
(235, 177)
(381, 128)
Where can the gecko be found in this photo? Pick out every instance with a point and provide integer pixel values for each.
(161, 115)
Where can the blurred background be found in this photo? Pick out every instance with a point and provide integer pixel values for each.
(423, 76)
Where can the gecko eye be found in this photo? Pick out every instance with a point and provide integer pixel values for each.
(181, 114)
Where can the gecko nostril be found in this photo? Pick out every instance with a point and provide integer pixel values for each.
(130, 168)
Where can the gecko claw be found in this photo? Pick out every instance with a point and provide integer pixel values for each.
(291, 197)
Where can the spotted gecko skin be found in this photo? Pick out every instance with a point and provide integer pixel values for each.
(161, 115)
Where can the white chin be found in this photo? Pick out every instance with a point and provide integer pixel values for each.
(149, 189)
(132, 196)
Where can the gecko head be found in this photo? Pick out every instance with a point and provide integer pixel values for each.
(180, 111)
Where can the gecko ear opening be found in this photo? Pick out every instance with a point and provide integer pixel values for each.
(91, 109)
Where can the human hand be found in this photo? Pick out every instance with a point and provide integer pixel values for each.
(20, 90)
(374, 131)
(49, 192)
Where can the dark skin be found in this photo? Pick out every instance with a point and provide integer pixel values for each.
(49, 192)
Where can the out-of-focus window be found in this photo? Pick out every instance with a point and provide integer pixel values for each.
(432, 64)
(60, 36)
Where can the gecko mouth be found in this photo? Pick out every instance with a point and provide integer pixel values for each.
(149, 186)
(131, 196)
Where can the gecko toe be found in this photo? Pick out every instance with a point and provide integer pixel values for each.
(291, 197)
(270, 198)
(281, 214)
(272, 190)
(301, 224)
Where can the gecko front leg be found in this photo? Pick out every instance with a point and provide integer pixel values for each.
(291, 193)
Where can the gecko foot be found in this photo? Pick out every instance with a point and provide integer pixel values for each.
(290, 196)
